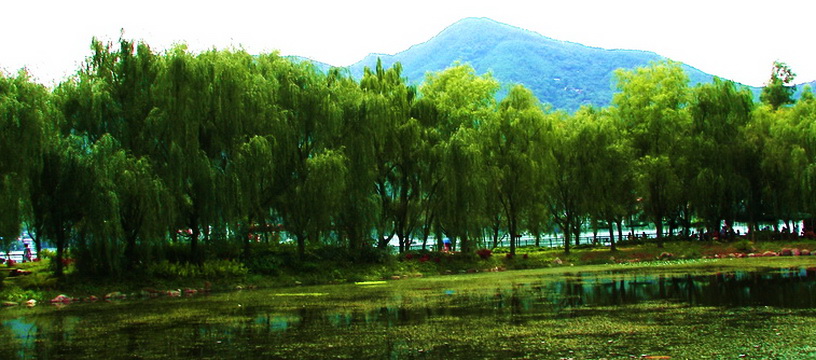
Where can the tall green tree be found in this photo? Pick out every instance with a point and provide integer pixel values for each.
(24, 108)
(719, 112)
(396, 147)
(611, 185)
(313, 171)
(569, 198)
(804, 113)
(59, 192)
(176, 126)
(516, 144)
(458, 101)
(653, 104)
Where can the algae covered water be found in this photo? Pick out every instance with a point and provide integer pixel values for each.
(524, 314)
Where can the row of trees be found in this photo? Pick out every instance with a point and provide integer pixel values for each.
(139, 150)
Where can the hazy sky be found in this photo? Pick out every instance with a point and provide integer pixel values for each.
(737, 40)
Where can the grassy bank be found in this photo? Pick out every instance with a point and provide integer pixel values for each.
(269, 269)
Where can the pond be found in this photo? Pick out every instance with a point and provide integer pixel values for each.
(526, 314)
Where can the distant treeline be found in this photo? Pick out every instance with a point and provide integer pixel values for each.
(142, 150)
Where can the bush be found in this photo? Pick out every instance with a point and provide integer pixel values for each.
(266, 265)
(484, 254)
(744, 246)
(210, 269)
(46, 254)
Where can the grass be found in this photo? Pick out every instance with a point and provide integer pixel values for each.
(225, 275)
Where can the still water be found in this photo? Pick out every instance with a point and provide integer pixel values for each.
(388, 320)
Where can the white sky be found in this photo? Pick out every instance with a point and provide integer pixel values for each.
(737, 40)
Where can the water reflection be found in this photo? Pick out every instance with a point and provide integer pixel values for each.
(264, 330)
(795, 288)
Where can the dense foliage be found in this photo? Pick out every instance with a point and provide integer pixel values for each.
(142, 157)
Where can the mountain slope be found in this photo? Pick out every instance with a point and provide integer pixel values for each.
(563, 74)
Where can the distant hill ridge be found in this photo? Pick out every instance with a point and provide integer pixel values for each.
(564, 74)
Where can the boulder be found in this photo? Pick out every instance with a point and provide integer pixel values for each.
(116, 295)
(19, 272)
(61, 299)
(665, 256)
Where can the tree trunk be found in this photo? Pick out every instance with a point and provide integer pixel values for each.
(659, 231)
(247, 233)
(194, 246)
(511, 225)
(495, 236)
(425, 233)
(567, 242)
(60, 238)
(576, 231)
(612, 236)
(130, 252)
(301, 246)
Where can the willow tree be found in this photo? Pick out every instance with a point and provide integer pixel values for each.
(569, 198)
(805, 114)
(783, 159)
(312, 171)
(60, 191)
(252, 169)
(652, 103)
(463, 187)
(390, 138)
(516, 144)
(720, 183)
(611, 187)
(24, 107)
(461, 102)
(175, 127)
(124, 221)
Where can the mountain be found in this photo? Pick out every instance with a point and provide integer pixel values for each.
(564, 74)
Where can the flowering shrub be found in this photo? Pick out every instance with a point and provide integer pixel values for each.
(484, 253)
